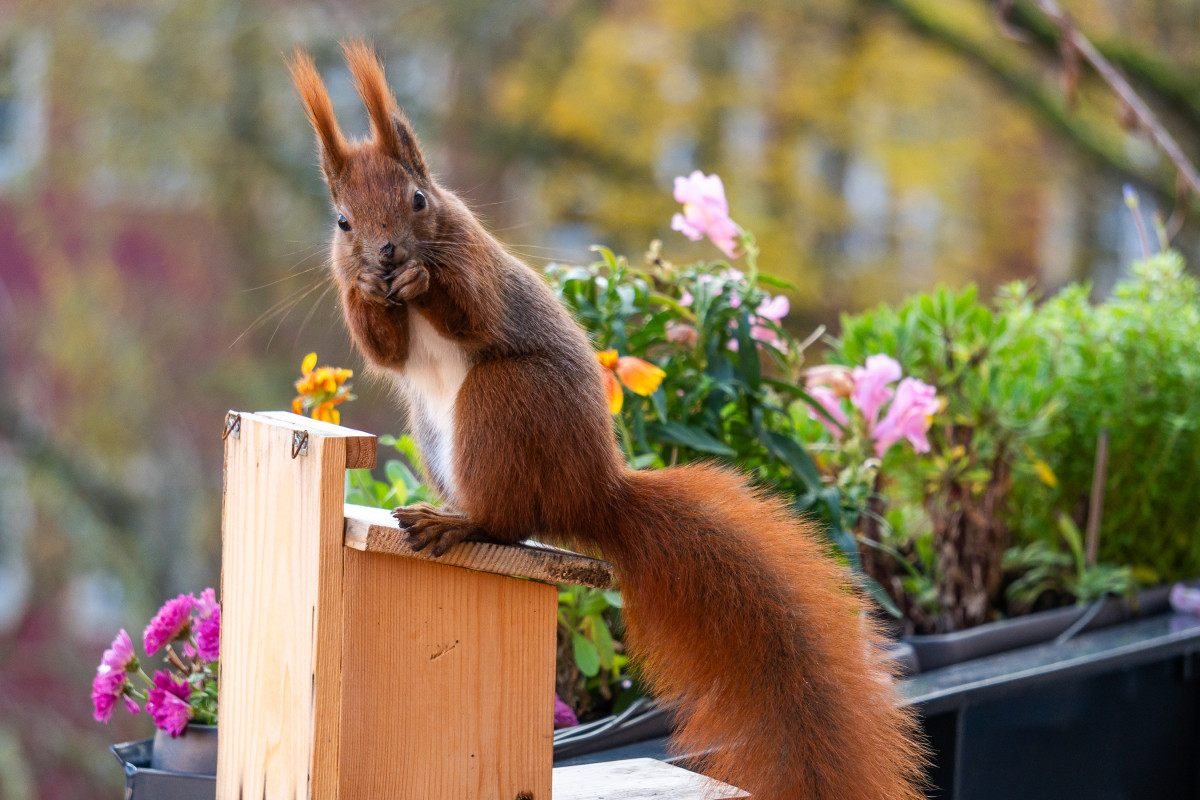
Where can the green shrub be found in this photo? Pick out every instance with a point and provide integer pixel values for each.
(1128, 366)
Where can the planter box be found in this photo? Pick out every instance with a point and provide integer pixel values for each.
(934, 651)
(1110, 713)
(144, 783)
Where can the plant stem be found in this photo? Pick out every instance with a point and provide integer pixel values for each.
(626, 438)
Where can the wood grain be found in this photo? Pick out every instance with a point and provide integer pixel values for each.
(281, 593)
(448, 682)
(375, 530)
(637, 779)
(360, 447)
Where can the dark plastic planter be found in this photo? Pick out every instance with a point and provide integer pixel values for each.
(185, 769)
(1109, 714)
(934, 651)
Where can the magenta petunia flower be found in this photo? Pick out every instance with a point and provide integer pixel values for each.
(167, 703)
(705, 212)
(170, 623)
(564, 717)
(908, 417)
(871, 385)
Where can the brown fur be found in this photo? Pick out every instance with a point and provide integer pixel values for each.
(733, 609)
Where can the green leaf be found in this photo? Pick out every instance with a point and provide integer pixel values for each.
(778, 283)
(748, 364)
(614, 598)
(602, 638)
(877, 593)
(587, 658)
(791, 453)
(687, 436)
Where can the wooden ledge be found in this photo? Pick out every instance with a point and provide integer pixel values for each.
(374, 530)
(637, 779)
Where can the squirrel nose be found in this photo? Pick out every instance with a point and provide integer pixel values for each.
(387, 250)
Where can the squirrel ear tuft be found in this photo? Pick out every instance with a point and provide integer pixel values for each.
(409, 148)
(389, 127)
(334, 150)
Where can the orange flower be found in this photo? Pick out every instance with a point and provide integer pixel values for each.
(321, 388)
(640, 377)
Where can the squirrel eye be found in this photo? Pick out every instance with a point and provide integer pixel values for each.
(418, 200)
(343, 223)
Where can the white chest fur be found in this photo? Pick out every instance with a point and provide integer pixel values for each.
(431, 378)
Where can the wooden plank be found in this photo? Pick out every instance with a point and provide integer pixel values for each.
(361, 447)
(637, 779)
(448, 682)
(281, 592)
(375, 530)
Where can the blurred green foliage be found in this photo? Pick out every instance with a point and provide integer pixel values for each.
(1127, 366)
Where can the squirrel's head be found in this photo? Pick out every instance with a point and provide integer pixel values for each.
(388, 209)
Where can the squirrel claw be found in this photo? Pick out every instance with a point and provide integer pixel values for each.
(427, 526)
(409, 281)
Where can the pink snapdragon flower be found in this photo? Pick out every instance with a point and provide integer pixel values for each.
(170, 623)
(167, 703)
(832, 404)
(909, 414)
(908, 417)
(773, 309)
(705, 212)
(871, 385)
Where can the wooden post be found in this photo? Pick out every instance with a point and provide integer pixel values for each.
(349, 672)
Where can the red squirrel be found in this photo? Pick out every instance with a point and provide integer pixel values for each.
(732, 606)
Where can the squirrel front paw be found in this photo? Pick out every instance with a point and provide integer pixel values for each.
(409, 281)
(393, 287)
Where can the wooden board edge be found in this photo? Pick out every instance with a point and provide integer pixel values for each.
(374, 530)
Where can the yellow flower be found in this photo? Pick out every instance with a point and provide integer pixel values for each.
(1045, 473)
(640, 377)
(321, 388)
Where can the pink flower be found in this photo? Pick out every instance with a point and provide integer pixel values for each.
(208, 636)
(170, 623)
(167, 703)
(1185, 600)
(206, 603)
(207, 627)
(107, 686)
(871, 388)
(111, 681)
(829, 401)
(564, 717)
(908, 417)
(705, 212)
(686, 299)
(120, 656)
(774, 308)
(682, 333)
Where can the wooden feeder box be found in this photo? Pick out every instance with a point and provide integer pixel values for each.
(352, 667)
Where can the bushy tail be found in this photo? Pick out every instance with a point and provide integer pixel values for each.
(737, 613)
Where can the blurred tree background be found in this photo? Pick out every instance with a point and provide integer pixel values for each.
(163, 228)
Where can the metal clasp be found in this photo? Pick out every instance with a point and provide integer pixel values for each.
(233, 426)
(299, 443)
